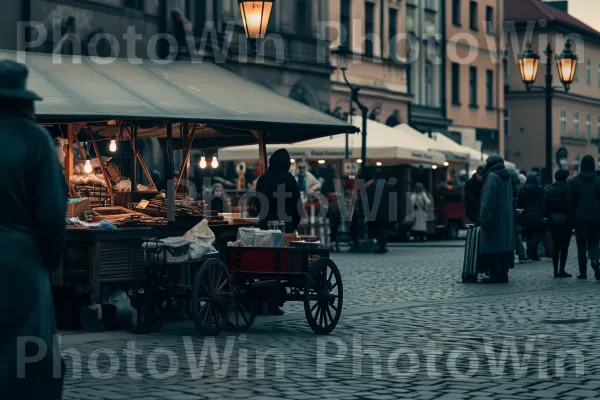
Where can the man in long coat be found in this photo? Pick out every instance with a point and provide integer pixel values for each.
(32, 236)
(497, 220)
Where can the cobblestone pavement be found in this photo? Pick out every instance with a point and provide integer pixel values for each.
(408, 330)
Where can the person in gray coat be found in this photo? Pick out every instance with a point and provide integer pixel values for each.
(32, 237)
(497, 244)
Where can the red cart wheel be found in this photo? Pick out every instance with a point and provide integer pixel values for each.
(212, 296)
(323, 296)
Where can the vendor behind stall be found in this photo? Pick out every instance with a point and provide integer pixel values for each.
(218, 202)
(280, 190)
(307, 182)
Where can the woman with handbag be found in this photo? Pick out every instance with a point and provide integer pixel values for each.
(558, 205)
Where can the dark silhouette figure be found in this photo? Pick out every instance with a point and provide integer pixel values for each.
(285, 204)
(378, 219)
(473, 195)
(531, 200)
(32, 238)
(585, 188)
(558, 208)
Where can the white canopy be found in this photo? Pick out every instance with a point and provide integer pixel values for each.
(476, 158)
(383, 143)
(451, 152)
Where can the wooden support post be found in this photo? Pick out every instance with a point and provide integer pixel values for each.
(262, 151)
(102, 168)
(144, 167)
(185, 167)
(187, 157)
(133, 142)
(170, 175)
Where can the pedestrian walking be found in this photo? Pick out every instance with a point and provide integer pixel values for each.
(378, 219)
(32, 239)
(585, 189)
(558, 209)
(420, 202)
(473, 195)
(497, 244)
(531, 199)
(518, 182)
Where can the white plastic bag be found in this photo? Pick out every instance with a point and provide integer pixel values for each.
(201, 238)
(246, 236)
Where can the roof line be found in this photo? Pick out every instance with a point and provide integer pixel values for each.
(539, 6)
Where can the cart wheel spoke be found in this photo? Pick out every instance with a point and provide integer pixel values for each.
(334, 307)
(322, 279)
(329, 313)
(333, 287)
(330, 275)
(315, 306)
(217, 282)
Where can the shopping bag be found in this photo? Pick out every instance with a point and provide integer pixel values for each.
(201, 237)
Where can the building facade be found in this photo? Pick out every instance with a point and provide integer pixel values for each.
(576, 114)
(427, 63)
(474, 75)
(372, 31)
(295, 60)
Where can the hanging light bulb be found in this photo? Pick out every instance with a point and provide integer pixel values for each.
(87, 168)
(113, 145)
(215, 162)
(202, 163)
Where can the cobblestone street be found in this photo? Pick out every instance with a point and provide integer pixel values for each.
(409, 329)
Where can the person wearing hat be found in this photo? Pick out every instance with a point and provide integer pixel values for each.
(32, 237)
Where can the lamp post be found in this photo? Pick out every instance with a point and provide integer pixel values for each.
(529, 64)
(342, 55)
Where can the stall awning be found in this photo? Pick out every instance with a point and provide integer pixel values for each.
(383, 144)
(476, 158)
(205, 93)
(452, 153)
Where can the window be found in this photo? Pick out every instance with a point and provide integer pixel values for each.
(137, 4)
(588, 125)
(302, 25)
(563, 122)
(393, 31)
(489, 88)
(473, 10)
(588, 71)
(410, 20)
(506, 67)
(456, 12)
(506, 122)
(345, 22)
(576, 124)
(430, 4)
(473, 86)
(369, 28)
(429, 83)
(489, 20)
(455, 83)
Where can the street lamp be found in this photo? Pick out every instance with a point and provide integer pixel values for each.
(255, 18)
(343, 55)
(529, 64)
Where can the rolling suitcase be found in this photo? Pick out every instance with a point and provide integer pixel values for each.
(470, 263)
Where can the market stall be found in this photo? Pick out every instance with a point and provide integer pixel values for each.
(185, 106)
(476, 157)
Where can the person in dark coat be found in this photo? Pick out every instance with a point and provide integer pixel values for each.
(497, 242)
(519, 247)
(473, 195)
(531, 201)
(558, 208)
(32, 238)
(585, 189)
(378, 215)
(218, 202)
(280, 193)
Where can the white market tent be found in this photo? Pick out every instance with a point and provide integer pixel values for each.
(451, 152)
(383, 143)
(476, 158)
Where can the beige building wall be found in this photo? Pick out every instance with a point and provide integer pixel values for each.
(383, 81)
(526, 138)
(475, 48)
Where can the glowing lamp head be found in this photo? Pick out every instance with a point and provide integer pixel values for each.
(202, 163)
(87, 168)
(321, 162)
(379, 164)
(434, 167)
(567, 66)
(529, 65)
(113, 146)
(255, 17)
(446, 164)
(215, 162)
(359, 161)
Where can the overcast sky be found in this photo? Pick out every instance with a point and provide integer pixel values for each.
(587, 11)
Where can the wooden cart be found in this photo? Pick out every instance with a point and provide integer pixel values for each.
(226, 293)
